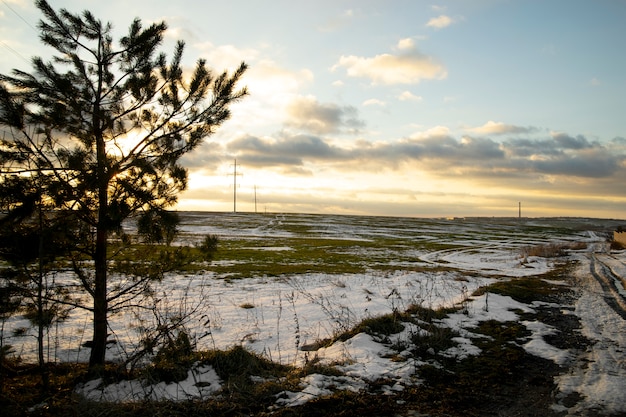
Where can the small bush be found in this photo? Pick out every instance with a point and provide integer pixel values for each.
(249, 378)
(208, 246)
(173, 360)
(384, 325)
(237, 362)
(428, 314)
(434, 339)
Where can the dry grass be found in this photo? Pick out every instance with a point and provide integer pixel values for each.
(463, 387)
(552, 250)
(615, 245)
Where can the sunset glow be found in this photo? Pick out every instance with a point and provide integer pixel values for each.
(400, 108)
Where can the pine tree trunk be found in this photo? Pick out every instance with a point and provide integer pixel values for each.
(100, 307)
(43, 369)
(100, 304)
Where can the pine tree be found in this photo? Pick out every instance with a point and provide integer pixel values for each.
(107, 124)
(32, 239)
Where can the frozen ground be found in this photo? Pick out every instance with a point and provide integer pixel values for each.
(422, 262)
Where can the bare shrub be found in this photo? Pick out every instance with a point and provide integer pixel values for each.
(552, 250)
(615, 245)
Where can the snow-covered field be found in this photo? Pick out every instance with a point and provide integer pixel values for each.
(426, 262)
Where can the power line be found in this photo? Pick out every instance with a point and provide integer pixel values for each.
(16, 53)
(20, 16)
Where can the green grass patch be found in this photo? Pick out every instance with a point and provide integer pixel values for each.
(245, 258)
(528, 289)
(250, 258)
(524, 290)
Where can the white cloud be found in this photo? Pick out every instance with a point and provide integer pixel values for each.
(433, 132)
(374, 102)
(272, 89)
(440, 22)
(268, 80)
(408, 96)
(406, 43)
(226, 56)
(408, 67)
(499, 128)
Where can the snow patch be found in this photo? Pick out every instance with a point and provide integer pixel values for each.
(201, 382)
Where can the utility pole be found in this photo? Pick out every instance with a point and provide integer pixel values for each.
(255, 198)
(520, 209)
(235, 186)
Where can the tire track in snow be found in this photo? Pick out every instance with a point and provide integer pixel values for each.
(612, 284)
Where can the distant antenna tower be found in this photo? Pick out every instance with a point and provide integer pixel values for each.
(235, 186)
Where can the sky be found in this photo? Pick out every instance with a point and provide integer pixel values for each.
(395, 107)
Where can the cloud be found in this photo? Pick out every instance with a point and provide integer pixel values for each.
(498, 128)
(528, 148)
(289, 150)
(566, 155)
(408, 96)
(306, 113)
(264, 77)
(619, 142)
(594, 163)
(437, 131)
(268, 80)
(374, 102)
(207, 157)
(226, 56)
(566, 141)
(409, 66)
(553, 170)
(406, 44)
(439, 146)
(440, 22)
(272, 89)
(442, 154)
